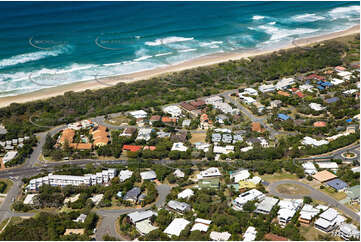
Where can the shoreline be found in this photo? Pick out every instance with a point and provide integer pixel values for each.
(147, 74)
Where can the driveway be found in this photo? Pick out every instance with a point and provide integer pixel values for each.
(314, 194)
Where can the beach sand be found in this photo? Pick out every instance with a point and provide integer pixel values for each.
(143, 75)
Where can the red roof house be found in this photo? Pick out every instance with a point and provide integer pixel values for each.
(132, 148)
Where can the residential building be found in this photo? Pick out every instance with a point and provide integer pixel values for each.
(311, 141)
(288, 208)
(328, 165)
(173, 110)
(154, 118)
(309, 168)
(80, 219)
(250, 91)
(144, 134)
(223, 149)
(337, 184)
(246, 99)
(266, 205)
(179, 147)
(336, 81)
(74, 231)
(256, 127)
(97, 198)
(202, 146)
(187, 193)
(319, 124)
(168, 120)
(285, 83)
(244, 197)
(186, 123)
(266, 88)
(176, 226)
(161, 134)
(201, 225)
(316, 106)
(180, 136)
(307, 213)
(348, 231)
(214, 99)
(210, 172)
(250, 234)
(138, 114)
(139, 216)
(329, 220)
(178, 173)
(275, 103)
(354, 193)
(148, 175)
(324, 176)
(306, 87)
(9, 156)
(132, 195)
(132, 148)
(240, 175)
(177, 206)
(145, 227)
(125, 175)
(283, 93)
(29, 199)
(219, 236)
(67, 136)
(187, 106)
(128, 131)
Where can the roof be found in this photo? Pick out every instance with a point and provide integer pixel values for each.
(256, 127)
(169, 120)
(329, 215)
(319, 124)
(353, 192)
(218, 236)
(74, 231)
(81, 146)
(180, 206)
(283, 93)
(332, 100)
(67, 135)
(140, 215)
(155, 118)
(132, 148)
(337, 184)
(145, 227)
(267, 204)
(29, 199)
(314, 76)
(200, 226)
(187, 106)
(324, 176)
(299, 94)
(283, 116)
(250, 234)
(132, 193)
(274, 237)
(148, 175)
(176, 226)
(198, 103)
(187, 193)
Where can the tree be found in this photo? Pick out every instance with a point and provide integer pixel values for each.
(307, 200)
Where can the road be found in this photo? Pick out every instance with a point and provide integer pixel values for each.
(109, 217)
(314, 194)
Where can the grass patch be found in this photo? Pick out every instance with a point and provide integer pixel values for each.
(8, 183)
(310, 233)
(278, 176)
(336, 195)
(196, 137)
(292, 189)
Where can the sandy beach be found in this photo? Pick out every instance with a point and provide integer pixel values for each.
(198, 62)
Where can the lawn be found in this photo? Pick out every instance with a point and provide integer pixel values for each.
(278, 176)
(336, 195)
(310, 233)
(8, 182)
(292, 189)
(196, 137)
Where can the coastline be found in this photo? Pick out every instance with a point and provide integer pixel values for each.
(143, 75)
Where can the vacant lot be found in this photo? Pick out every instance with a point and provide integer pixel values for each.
(198, 138)
(292, 189)
(278, 176)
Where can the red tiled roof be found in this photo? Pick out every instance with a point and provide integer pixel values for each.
(187, 106)
(204, 117)
(81, 146)
(282, 93)
(256, 127)
(340, 68)
(155, 118)
(294, 89)
(314, 76)
(149, 148)
(198, 103)
(300, 94)
(169, 120)
(132, 148)
(67, 135)
(319, 124)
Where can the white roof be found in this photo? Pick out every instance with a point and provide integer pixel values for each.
(187, 193)
(310, 141)
(336, 81)
(349, 229)
(350, 91)
(316, 106)
(250, 91)
(240, 175)
(213, 99)
(248, 196)
(266, 88)
(145, 226)
(223, 149)
(255, 179)
(179, 147)
(330, 214)
(140, 215)
(355, 169)
(72, 198)
(173, 110)
(250, 234)
(200, 227)
(139, 114)
(323, 223)
(281, 84)
(308, 212)
(290, 203)
(29, 199)
(203, 221)
(327, 165)
(97, 198)
(322, 207)
(125, 174)
(9, 156)
(267, 204)
(148, 175)
(306, 87)
(217, 236)
(176, 226)
(245, 149)
(178, 173)
(212, 171)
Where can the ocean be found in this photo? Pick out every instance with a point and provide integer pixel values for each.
(47, 44)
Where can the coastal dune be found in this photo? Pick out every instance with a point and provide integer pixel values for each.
(197, 62)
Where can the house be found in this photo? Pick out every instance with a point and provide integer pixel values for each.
(97, 198)
(256, 127)
(148, 175)
(285, 83)
(309, 168)
(176, 226)
(324, 176)
(300, 94)
(201, 225)
(266, 88)
(178, 173)
(180, 207)
(319, 124)
(161, 134)
(132, 195)
(173, 110)
(283, 117)
(187, 193)
(315, 77)
(128, 131)
(67, 136)
(244, 197)
(214, 99)
(9, 156)
(221, 118)
(316, 106)
(307, 213)
(154, 118)
(198, 103)
(81, 146)
(288, 209)
(138, 114)
(217, 236)
(187, 106)
(275, 103)
(246, 99)
(145, 227)
(186, 123)
(310, 141)
(337, 184)
(328, 165)
(144, 134)
(223, 149)
(204, 121)
(179, 137)
(348, 231)
(306, 87)
(138, 216)
(210, 172)
(167, 120)
(336, 81)
(179, 147)
(329, 220)
(29, 199)
(132, 148)
(250, 91)
(211, 183)
(125, 175)
(266, 205)
(80, 219)
(354, 193)
(240, 175)
(250, 234)
(74, 231)
(202, 146)
(332, 100)
(283, 93)
(274, 237)
(72, 198)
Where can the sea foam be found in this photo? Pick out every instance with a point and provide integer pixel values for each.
(167, 40)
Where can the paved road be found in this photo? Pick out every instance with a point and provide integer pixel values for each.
(314, 194)
(109, 217)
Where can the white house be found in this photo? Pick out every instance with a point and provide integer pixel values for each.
(187, 193)
(306, 87)
(316, 106)
(138, 114)
(178, 173)
(29, 199)
(288, 208)
(307, 213)
(210, 172)
(173, 110)
(176, 226)
(214, 99)
(328, 165)
(250, 91)
(309, 168)
(247, 100)
(266, 88)
(310, 141)
(179, 147)
(336, 81)
(329, 220)
(148, 175)
(240, 175)
(348, 231)
(243, 198)
(250, 234)
(223, 149)
(219, 236)
(124, 175)
(201, 224)
(9, 156)
(284, 83)
(144, 134)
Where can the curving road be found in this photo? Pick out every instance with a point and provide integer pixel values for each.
(314, 194)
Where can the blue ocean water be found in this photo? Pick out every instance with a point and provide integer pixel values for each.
(44, 44)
